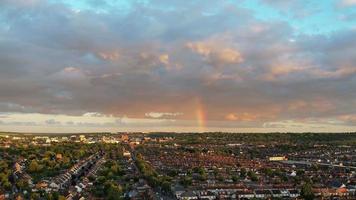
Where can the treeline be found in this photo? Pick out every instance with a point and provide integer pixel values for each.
(222, 138)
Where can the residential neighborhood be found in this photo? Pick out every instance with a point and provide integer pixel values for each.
(176, 166)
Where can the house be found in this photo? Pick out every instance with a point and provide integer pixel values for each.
(54, 186)
(42, 185)
(124, 137)
(245, 194)
(285, 193)
(18, 167)
(206, 195)
(277, 193)
(132, 194)
(352, 190)
(277, 158)
(262, 194)
(223, 194)
(342, 191)
(188, 195)
(293, 193)
(127, 154)
(293, 173)
(79, 189)
(59, 156)
(178, 190)
(143, 187)
(336, 184)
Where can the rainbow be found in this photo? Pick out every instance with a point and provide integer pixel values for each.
(200, 115)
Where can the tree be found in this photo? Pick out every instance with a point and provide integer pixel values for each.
(268, 171)
(166, 186)
(113, 190)
(22, 184)
(220, 178)
(34, 166)
(202, 177)
(235, 178)
(200, 170)
(252, 176)
(243, 173)
(61, 197)
(6, 185)
(216, 172)
(300, 172)
(187, 181)
(3, 165)
(35, 196)
(307, 192)
(55, 195)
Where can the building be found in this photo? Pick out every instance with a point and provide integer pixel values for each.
(277, 158)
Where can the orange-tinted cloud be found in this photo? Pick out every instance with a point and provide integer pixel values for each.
(241, 117)
(215, 53)
(110, 56)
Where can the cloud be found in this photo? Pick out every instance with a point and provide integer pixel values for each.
(232, 117)
(52, 122)
(215, 54)
(349, 119)
(337, 73)
(152, 57)
(18, 123)
(348, 2)
(229, 56)
(93, 114)
(111, 56)
(71, 70)
(241, 117)
(164, 58)
(161, 115)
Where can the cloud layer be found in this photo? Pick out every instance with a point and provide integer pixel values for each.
(155, 61)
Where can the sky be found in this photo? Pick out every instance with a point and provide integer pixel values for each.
(198, 65)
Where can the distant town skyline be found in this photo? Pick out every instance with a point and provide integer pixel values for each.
(199, 65)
